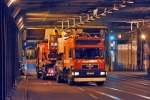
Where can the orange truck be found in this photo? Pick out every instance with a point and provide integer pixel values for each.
(46, 57)
(81, 59)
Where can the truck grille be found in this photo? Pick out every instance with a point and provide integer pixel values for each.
(89, 66)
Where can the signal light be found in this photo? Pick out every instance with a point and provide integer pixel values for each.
(111, 37)
(112, 51)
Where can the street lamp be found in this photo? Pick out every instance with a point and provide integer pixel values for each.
(143, 36)
(148, 70)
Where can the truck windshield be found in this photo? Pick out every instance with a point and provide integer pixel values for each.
(87, 42)
(89, 53)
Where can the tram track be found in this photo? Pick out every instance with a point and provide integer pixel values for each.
(133, 79)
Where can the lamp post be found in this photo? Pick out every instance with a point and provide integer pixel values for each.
(148, 69)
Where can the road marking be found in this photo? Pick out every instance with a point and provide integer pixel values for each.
(81, 89)
(139, 95)
(49, 83)
(108, 95)
(45, 83)
(93, 96)
(130, 87)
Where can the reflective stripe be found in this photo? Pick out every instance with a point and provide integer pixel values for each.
(96, 79)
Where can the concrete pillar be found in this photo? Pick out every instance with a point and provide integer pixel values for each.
(146, 31)
(20, 37)
(2, 52)
(134, 51)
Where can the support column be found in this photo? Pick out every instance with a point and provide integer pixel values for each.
(20, 37)
(2, 52)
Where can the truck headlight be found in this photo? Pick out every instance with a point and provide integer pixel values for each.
(72, 73)
(76, 73)
(102, 73)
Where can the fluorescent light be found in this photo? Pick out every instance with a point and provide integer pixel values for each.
(130, 1)
(10, 2)
(122, 5)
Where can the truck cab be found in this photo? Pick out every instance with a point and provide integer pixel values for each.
(83, 60)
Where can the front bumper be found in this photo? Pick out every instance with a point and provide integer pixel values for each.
(88, 79)
(85, 77)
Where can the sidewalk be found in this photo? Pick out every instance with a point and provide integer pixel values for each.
(20, 92)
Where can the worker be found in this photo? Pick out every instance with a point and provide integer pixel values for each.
(55, 31)
(62, 33)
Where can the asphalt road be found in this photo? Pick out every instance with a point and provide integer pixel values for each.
(119, 86)
(113, 89)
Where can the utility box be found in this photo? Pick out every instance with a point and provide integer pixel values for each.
(60, 45)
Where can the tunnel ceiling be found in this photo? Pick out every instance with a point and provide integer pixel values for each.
(46, 13)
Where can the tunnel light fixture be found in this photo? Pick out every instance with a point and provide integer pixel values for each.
(122, 5)
(16, 12)
(20, 19)
(10, 2)
(130, 1)
(22, 26)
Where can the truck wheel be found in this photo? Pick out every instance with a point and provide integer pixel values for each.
(38, 75)
(69, 81)
(100, 83)
(58, 79)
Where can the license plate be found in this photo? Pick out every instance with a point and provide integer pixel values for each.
(90, 73)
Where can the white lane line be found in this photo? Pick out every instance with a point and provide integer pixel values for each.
(139, 95)
(93, 96)
(49, 82)
(130, 87)
(81, 89)
(45, 83)
(108, 95)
